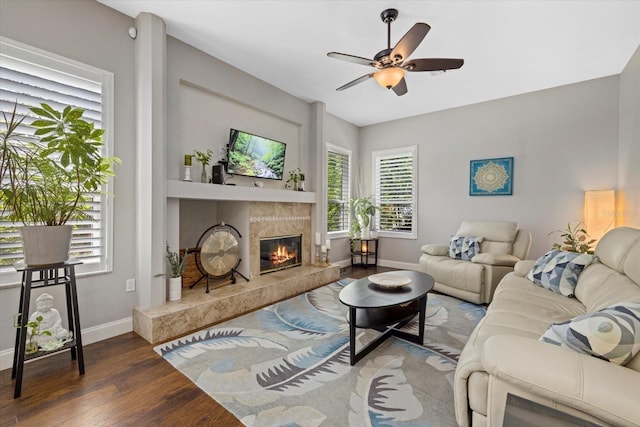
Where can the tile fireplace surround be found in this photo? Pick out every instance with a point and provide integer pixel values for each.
(197, 309)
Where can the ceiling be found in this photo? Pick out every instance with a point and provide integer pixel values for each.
(509, 47)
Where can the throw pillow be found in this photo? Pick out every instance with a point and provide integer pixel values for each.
(461, 247)
(611, 334)
(559, 271)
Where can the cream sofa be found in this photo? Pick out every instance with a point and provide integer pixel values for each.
(476, 280)
(504, 354)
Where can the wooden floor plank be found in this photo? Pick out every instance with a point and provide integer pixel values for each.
(126, 384)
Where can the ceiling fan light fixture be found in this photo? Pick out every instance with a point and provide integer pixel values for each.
(389, 77)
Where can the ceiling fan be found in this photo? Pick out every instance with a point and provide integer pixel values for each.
(391, 63)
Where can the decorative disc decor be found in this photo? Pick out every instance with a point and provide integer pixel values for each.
(219, 254)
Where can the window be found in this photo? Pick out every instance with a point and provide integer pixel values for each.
(395, 181)
(338, 165)
(30, 76)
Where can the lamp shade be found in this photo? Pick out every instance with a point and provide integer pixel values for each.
(599, 212)
(389, 77)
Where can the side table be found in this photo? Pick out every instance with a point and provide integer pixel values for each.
(363, 251)
(51, 275)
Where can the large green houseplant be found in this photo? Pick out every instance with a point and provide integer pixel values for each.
(47, 177)
(364, 208)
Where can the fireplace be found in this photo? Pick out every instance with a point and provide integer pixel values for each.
(278, 253)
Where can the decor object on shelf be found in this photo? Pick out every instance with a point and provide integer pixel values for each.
(33, 331)
(364, 209)
(47, 178)
(575, 239)
(491, 177)
(204, 158)
(49, 322)
(296, 180)
(599, 212)
(187, 167)
(503, 245)
(177, 269)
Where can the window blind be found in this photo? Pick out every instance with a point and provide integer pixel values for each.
(29, 78)
(395, 190)
(337, 191)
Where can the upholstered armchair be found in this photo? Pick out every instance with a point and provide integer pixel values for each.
(477, 257)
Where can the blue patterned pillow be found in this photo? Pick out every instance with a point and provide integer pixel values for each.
(559, 271)
(461, 247)
(611, 334)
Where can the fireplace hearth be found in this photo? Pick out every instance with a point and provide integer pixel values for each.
(280, 252)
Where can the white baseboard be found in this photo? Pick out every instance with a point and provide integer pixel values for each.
(89, 336)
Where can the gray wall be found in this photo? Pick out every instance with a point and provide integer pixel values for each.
(94, 34)
(629, 157)
(563, 140)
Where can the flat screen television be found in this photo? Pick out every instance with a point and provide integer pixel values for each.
(255, 156)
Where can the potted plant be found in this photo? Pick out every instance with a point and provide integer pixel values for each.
(364, 208)
(177, 267)
(295, 180)
(204, 158)
(33, 332)
(575, 240)
(46, 178)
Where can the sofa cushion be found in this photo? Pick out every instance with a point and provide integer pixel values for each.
(435, 250)
(612, 334)
(496, 231)
(558, 271)
(464, 247)
(495, 259)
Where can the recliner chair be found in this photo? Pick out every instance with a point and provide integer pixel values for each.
(486, 251)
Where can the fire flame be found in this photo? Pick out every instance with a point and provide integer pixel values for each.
(281, 255)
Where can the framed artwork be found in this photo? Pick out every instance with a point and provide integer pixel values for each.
(491, 177)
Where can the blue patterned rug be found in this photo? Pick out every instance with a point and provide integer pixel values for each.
(288, 365)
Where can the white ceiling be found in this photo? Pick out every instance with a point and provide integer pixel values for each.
(509, 47)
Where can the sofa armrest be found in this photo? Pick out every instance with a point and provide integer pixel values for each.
(489, 258)
(435, 250)
(594, 386)
(523, 267)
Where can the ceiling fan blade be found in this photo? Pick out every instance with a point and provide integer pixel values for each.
(409, 42)
(433, 64)
(351, 58)
(401, 88)
(356, 81)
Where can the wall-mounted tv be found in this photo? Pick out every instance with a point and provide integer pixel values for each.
(255, 156)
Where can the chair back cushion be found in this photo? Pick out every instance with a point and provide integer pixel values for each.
(498, 235)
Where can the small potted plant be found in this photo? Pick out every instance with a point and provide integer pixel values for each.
(295, 180)
(204, 157)
(364, 209)
(177, 267)
(33, 332)
(575, 240)
(46, 178)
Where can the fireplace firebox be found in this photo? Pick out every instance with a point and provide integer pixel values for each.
(278, 253)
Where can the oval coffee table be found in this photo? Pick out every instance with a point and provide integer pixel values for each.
(386, 309)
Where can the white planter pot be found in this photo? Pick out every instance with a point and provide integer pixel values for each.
(175, 288)
(46, 245)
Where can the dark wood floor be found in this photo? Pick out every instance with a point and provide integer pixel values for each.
(126, 384)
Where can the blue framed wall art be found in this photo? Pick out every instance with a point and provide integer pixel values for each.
(491, 177)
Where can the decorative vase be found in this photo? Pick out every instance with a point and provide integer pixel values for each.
(365, 232)
(175, 288)
(31, 344)
(203, 175)
(45, 244)
(187, 173)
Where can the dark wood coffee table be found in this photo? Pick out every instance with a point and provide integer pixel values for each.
(374, 307)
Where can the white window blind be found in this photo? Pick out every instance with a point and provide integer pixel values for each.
(395, 181)
(29, 77)
(338, 183)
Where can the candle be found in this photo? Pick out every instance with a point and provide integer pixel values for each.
(323, 249)
(317, 238)
(187, 159)
(328, 243)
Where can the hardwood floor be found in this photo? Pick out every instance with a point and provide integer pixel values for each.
(125, 384)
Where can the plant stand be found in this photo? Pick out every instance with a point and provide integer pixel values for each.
(46, 276)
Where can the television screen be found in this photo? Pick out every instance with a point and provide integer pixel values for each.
(253, 155)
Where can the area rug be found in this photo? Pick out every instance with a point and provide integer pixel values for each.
(288, 365)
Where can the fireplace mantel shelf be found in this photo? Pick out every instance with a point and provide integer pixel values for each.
(199, 191)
